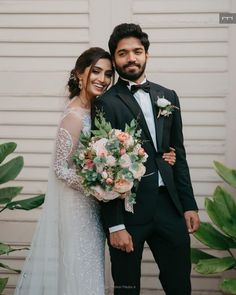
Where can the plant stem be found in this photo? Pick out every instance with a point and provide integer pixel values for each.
(230, 252)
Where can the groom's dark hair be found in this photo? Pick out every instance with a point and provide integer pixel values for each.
(124, 31)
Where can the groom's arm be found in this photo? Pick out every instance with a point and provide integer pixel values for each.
(181, 169)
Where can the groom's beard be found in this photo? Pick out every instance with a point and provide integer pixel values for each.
(129, 75)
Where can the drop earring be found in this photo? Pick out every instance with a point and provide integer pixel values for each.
(80, 84)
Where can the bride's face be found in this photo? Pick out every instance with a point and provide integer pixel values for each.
(96, 81)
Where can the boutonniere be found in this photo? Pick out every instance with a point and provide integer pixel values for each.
(165, 107)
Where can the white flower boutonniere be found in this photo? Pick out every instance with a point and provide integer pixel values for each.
(165, 107)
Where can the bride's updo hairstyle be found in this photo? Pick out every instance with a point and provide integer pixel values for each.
(88, 58)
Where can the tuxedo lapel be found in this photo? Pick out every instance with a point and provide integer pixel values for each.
(129, 100)
(159, 122)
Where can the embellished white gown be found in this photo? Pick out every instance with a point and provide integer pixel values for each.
(67, 251)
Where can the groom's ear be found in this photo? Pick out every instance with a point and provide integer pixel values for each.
(147, 55)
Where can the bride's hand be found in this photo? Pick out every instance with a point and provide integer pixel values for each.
(170, 157)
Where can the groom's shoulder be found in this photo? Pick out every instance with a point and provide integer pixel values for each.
(161, 88)
(109, 94)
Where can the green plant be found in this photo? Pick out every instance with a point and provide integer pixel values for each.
(8, 172)
(222, 236)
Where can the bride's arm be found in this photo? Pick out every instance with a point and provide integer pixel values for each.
(66, 144)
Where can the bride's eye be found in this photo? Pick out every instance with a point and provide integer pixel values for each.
(94, 71)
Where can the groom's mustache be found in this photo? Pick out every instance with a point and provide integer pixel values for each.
(131, 64)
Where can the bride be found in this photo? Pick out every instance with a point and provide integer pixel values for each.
(67, 251)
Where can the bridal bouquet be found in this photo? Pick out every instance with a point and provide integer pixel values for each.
(110, 163)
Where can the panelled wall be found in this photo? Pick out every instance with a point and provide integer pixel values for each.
(190, 52)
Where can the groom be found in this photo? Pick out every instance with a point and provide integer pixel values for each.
(165, 211)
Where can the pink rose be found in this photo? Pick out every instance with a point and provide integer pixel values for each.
(89, 164)
(141, 152)
(122, 151)
(109, 180)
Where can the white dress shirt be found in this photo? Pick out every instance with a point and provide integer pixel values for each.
(144, 100)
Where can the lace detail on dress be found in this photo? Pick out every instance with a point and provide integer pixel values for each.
(64, 147)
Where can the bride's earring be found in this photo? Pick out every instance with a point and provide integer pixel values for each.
(80, 84)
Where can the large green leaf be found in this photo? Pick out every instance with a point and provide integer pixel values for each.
(6, 249)
(220, 210)
(2, 265)
(8, 193)
(229, 285)
(215, 265)
(26, 204)
(212, 238)
(197, 255)
(229, 175)
(11, 169)
(3, 283)
(6, 149)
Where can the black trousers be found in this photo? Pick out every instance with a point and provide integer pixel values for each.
(169, 241)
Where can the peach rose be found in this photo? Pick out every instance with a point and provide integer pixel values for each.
(123, 136)
(122, 185)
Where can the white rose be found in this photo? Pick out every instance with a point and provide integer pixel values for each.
(110, 161)
(138, 173)
(100, 147)
(162, 102)
(125, 161)
(129, 142)
(81, 156)
(104, 175)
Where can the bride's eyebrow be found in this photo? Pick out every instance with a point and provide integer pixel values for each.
(97, 68)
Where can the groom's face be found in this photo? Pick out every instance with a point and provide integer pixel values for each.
(130, 59)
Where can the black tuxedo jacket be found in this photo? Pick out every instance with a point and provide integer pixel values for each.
(120, 107)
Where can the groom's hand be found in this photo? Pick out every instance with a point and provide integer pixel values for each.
(122, 240)
(192, 220)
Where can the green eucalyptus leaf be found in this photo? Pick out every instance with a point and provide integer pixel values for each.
(229, 285)
(11, 169)
(215, 265)
(8, 193)
(197, 255)
(27, 204)
(229, 175)
(3, 283)
(212, 238)
(6, 149)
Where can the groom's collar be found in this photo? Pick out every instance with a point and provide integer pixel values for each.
(129, 83)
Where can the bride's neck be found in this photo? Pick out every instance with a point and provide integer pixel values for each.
(81, 102)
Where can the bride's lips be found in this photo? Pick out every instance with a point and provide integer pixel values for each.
(99, 87)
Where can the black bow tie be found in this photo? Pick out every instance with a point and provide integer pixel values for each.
(145, 87)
